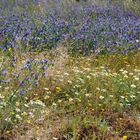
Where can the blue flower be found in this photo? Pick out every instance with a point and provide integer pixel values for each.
(44, 67)
(21, 91)
(43, 61)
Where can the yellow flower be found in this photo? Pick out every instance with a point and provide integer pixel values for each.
(90, 104)
(125, 137)
(9, 49)
(58, 89)
(7, 132)
(37, 127)
(12, 113)
(24, 114)
(28, 121)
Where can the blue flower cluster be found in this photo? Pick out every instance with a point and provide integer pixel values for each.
(93, 29)
(31, 71)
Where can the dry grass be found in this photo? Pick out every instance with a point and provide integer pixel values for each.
(75, 107)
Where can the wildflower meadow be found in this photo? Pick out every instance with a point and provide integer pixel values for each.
(69, 70)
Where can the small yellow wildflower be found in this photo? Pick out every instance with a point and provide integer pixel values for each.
(24, 114)
(58, 89)
(37, 127)
(28, 121)
(7, 132)
(125, 137)
(12, 113)
(9, 49)
(90, 104)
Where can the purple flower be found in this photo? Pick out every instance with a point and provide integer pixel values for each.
(22, 83)
(43, 61)
(21, 91)
(44, 67)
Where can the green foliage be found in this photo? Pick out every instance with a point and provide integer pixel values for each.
(74, 96)
(132, 5)
(81, 88)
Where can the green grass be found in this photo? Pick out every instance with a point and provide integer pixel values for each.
(70, 97)
(80, 98)
(133, 6)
